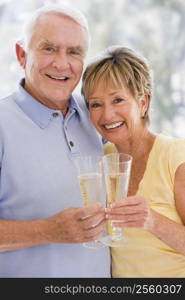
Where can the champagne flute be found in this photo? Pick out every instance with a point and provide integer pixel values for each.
(116, 168)
(90, 180)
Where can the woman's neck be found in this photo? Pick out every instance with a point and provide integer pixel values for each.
(138, 146)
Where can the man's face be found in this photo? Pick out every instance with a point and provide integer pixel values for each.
(54, 59)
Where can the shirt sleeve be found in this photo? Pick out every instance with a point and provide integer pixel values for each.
(1, 150)
(176, 156)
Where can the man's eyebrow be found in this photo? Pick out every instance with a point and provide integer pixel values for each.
(45, 43)
(78, 48)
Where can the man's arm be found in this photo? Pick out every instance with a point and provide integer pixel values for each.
(68, 226)
(20, 234)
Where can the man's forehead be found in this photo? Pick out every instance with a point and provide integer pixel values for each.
(47, 42)
(52, 17)
(49, 31)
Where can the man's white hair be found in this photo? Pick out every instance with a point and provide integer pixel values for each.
(64, 10)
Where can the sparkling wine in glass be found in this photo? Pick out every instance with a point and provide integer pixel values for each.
(90, 180)
(116, 168)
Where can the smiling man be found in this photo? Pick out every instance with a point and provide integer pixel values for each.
(54, 60)
(43, 127)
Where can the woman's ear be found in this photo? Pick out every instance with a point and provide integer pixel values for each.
(144, 103)
(21, 55)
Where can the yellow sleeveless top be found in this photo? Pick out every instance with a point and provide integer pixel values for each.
(146, 255)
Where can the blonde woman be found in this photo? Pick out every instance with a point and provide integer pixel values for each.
(117, 86)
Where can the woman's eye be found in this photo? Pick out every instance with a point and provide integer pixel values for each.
(94, 105)
(118, 100)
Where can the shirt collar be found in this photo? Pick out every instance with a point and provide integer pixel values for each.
(38, 112)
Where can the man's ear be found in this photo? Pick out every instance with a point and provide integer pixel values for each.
(21, 55)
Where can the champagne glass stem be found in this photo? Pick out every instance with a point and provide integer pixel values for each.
(116, 233)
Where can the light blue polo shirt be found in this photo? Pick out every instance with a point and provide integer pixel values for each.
(38, 179)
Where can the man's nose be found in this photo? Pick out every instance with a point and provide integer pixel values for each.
(61, 61)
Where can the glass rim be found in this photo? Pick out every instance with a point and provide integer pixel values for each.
(87, 156)
(119, 154)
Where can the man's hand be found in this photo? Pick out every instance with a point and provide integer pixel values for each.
(75, 225)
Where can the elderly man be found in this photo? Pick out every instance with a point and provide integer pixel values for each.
(42, 128)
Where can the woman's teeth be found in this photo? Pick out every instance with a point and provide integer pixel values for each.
(115, 125)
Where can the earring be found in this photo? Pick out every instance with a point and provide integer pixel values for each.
(144, 115)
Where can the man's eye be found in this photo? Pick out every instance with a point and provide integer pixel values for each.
(49, 49)
(74, 52)
(118, 100)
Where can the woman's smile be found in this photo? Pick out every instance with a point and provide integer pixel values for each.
(113, 126)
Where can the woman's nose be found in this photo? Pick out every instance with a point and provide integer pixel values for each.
(108, 113)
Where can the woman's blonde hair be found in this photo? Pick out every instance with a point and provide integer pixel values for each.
(119, 66)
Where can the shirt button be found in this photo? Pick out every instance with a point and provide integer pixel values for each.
(55, 115)
(71, 143)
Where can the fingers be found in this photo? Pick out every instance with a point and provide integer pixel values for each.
(137, 224)
(128, 201)
(136, 205)
(94, 232)
(89, 210)
(134, 220)
(126, 210)
(129, 212)
(91, 221)
(127, 218)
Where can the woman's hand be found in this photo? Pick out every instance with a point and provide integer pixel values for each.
(132, 211)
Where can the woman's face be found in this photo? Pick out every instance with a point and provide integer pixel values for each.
(116, 114)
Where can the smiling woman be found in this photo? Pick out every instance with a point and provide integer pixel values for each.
(117, 86)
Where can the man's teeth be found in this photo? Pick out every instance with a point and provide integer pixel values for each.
(58, 78)
(115, 125)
